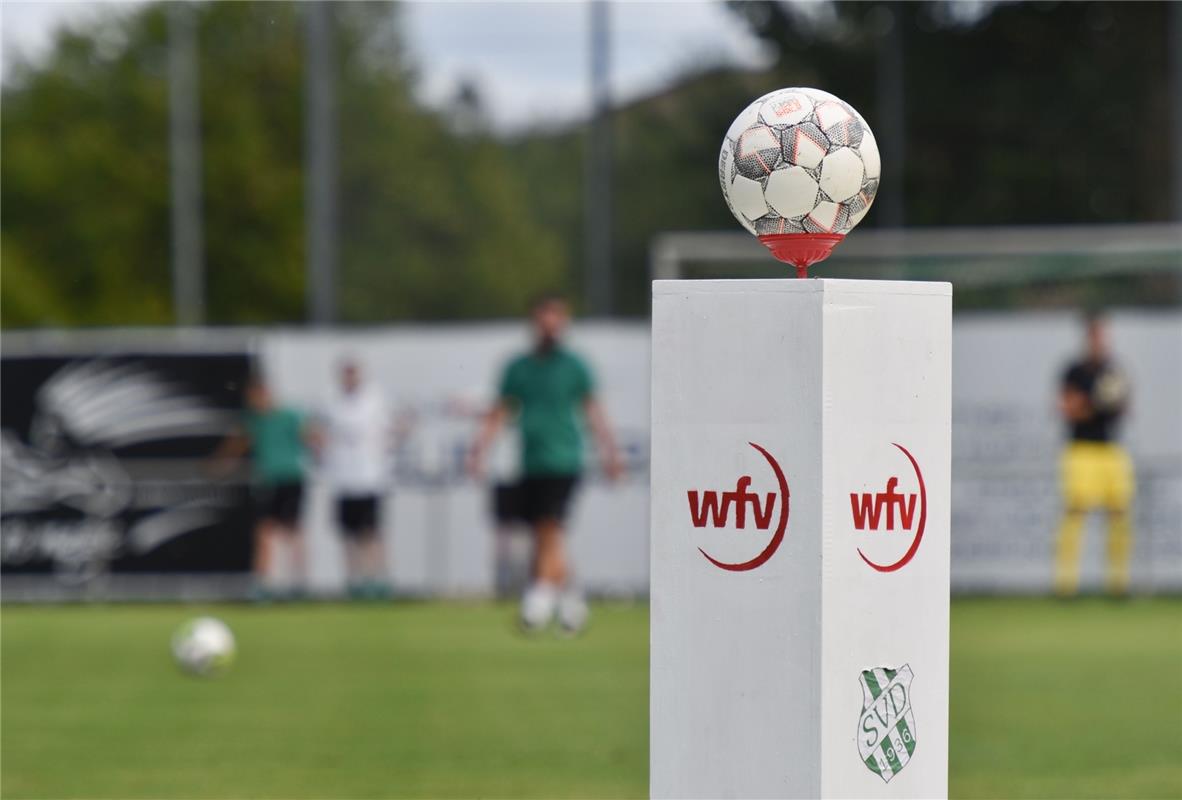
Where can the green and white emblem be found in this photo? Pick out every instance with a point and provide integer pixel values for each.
(886, 731)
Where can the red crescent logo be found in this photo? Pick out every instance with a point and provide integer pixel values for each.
(923, 518)
(781, 527)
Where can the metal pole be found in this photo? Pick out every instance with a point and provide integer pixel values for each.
(598, 169)
(891, 124)
(320, 165)
(1174, 47)
(184, 141)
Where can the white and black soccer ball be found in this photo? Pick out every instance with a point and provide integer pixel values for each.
(204, 646)
(799, 161)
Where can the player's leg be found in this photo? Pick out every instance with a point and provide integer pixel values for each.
(510, 571)
(1067, 551)
(373, 548)
(551, 552)
(263, 549)
(540, 599)
(504, 574)
(1074, 469)
(289, 507)
(546, 500)
(263, 557)
(354, 584)
(572, 608)
(347, 524)
(373, 560)
(1121, 488)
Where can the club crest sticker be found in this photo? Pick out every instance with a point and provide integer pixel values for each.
(886, 731)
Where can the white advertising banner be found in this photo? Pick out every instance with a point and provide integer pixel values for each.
(800, 538)
(438, 523)
(1006, 441)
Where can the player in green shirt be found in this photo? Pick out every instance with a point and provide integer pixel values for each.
(551, 393)
(276, 438)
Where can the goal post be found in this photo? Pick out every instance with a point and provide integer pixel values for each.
(971, 257)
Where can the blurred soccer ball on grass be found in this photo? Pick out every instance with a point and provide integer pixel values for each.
(204, 647)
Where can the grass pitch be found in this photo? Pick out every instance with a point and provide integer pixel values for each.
(1049, 699)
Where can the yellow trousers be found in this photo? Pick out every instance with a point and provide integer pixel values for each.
(1096, 476)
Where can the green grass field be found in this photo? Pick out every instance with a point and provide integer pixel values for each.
(1049, 699)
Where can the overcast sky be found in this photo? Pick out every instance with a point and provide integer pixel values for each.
(530, 60)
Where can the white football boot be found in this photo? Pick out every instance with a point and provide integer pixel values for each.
(573, 612)
(538, 605)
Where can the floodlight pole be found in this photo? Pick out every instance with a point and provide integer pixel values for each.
(891, 123)
(320, 164)
(1174, 47)
(598, 283)
(184, 142)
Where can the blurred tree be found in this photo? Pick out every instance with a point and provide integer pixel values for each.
(434, 224)
(1015, 113)
(665, 147)
(83, 176)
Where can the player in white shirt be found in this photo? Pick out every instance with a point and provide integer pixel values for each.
(357, 430)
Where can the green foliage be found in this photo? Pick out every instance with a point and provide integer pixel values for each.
(1026, 113)
(83, 175)
(1032, 113)
(664, 175)
(666, 169)
(433, 223)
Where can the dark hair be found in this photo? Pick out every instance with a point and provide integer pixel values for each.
(1093, 317)
(254, 380)
(546, 298)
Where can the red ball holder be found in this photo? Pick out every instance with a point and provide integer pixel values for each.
(801, 249)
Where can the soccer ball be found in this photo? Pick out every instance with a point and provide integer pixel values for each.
(799, 161)
(203, 646)
(1111, 392)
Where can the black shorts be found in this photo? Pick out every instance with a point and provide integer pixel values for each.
(358, 514)
(280, 502)
(535, 498)
(507, 503)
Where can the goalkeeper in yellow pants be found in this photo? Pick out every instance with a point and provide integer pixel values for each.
(1096, 472)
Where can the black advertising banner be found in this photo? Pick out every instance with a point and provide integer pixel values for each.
(106, 465)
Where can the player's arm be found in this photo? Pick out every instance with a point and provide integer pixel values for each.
(314, 436)
(229, 452)
(508, 396)
(1074, 403)
(605, 441)
(490, 426)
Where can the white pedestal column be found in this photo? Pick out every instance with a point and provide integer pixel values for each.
(800, 538)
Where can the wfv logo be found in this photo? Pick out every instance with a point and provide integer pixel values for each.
(710, 508)
(876, 511)
(867, 508)
(704, 505)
